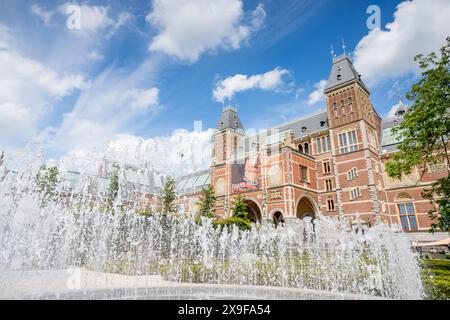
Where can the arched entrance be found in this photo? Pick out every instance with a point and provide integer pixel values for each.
(278, 218)
(306, 208)
(254, 213)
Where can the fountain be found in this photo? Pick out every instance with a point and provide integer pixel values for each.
(74, 248)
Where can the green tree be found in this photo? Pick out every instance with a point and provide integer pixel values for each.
(113, 189)
(239, 208)
(240, 214)
(168, 197)
(425, 130)
(47, 180)
(207, 202)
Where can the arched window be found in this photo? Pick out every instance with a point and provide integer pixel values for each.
(406, 211)
(300, 148)
(306, 148)
(220, 186)
(275, 178)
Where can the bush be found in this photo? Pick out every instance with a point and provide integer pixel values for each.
(436, 278)
(436, 264)
(241, 223)
(144, 212)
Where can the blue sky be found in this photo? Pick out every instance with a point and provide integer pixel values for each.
(147, 68)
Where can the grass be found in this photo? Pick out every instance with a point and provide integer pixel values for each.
(436, 278)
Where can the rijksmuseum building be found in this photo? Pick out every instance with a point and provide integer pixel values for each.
(330, 163)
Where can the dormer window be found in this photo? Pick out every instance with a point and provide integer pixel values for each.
(322, 123)
(339, 76)
(304, 129)
(221, 123)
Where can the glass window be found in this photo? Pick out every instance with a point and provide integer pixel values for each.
(412, 222)
(319, 146)
(405, 224)
(329, 185)
(410, 208)
(330, 204)
(303, 173)
(407, 216)
(326, 167)
(348, 141)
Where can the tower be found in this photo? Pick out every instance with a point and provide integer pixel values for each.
(229, 131)
(355, 134)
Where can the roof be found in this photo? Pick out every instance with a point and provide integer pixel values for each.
(307, 125)
(229, 119)
(343, 72)
(389, 141)
(193, 182)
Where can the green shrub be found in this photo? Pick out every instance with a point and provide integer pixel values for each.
(144, 212)
(436, 264)
(437, 288)
(242, 224)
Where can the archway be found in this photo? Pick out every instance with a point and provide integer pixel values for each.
(306, 208)
(253, 210)
(278, 218)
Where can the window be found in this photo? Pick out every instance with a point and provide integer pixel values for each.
(372, 139)
(300, 148)
(306, 148)
(348, 141)
(303, 173)
(355, 193)
(275, 177)
(352, 174)
(330, 204)
(407, 216)
(334, 105)
(326, 167)
(350, 104)
(329, 184)
(323, 144)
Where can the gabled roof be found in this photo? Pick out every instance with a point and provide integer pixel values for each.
(342, 73)
(229, 120)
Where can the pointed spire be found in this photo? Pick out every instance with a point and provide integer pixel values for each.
(229, 119)
(343, 73)
(343, 46)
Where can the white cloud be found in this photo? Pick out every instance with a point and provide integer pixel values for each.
(5, 37)
(317, 95)
(228, 87)
(114, 103)
(44, 15)
(94, 55)
(419, 26)
(142, 99)
(28, 90)
(189, 28)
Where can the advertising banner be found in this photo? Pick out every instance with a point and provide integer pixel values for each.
(244, 176)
